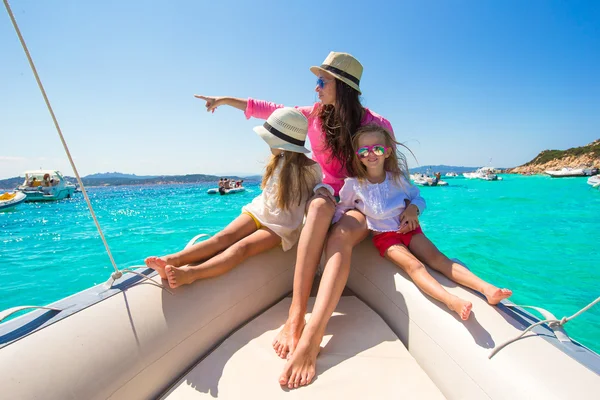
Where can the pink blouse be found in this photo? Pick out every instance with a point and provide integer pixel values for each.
(333, 172)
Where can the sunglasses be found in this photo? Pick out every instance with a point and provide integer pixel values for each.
(322, 82)
(377, 149)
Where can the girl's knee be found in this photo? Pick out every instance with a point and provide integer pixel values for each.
(414, 267)
(321, 207)
(351, 234)
(224, 237)
(340, 238)
(239, 250)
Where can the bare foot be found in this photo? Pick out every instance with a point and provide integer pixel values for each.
(157, 264)
(495, 295)
(461, 307)
(287, 339)
(178, 276)
(300, 368)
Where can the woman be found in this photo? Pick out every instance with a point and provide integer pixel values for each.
(332, 123)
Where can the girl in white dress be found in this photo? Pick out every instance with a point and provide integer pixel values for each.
(383, 193)
(273, 218)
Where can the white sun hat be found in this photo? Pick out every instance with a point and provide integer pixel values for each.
(285, 129)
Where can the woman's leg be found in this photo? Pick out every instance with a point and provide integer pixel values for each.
(239, 228)
(261, 240)
(403, 258)
(426, 251)
(347, 233)
(310, 247)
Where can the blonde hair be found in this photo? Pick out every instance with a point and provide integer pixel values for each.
(395, 164)
(296, 180)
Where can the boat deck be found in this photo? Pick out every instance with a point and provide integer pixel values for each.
(361, 358)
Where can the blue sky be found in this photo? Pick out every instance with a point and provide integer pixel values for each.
(460, 81)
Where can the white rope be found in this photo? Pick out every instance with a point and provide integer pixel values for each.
(145, 278)
(195, 239)
(117, 274)
(552, 323)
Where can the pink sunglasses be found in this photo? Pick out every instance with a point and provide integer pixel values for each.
(377, 149)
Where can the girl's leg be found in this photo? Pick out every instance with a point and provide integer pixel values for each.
(403, 258)
(347, 233)
(239, 228)
(261, 240)
(310, 247)
(426, 251)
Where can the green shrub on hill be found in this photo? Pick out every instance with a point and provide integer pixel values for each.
(550, 155)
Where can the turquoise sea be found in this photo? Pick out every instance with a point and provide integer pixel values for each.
(536, 235)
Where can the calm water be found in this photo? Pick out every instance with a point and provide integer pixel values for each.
(536, 235)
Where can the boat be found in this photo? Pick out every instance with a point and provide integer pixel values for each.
(426, 180)
(212, 339)
(9, 200)
(226, 191)
(571, 172)
(484, 173)
(54, 188)
(132, 338)
(594, 181)
(451, 175)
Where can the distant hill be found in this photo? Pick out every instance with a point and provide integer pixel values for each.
(252, 178)
(119, 179)
(443, 169)
(575, 157)
(11, 183)
(110, 175)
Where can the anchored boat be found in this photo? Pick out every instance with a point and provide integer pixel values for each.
(226, 191)
(571, 172)
(8, 200)
(484, 173)
(46, 185)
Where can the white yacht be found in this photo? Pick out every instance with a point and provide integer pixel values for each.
(594, 181)
(570, 172)
(484, 173)
(46, 185)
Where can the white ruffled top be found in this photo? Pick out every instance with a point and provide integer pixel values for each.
(382, 203)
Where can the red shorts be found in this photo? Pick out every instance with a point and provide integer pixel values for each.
(385, 240)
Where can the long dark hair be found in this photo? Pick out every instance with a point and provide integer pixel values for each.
(340, 123)
(295, 178)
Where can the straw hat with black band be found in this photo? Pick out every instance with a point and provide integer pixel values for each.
(344, 67)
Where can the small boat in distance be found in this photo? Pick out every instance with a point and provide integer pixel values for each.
(10, 200)
(45, 185)
(571, 172)
(594, 181)
(226, 191)
(451, 175)
(484, 173)
(426, 180)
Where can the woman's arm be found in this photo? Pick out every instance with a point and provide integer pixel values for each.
(213, 102)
